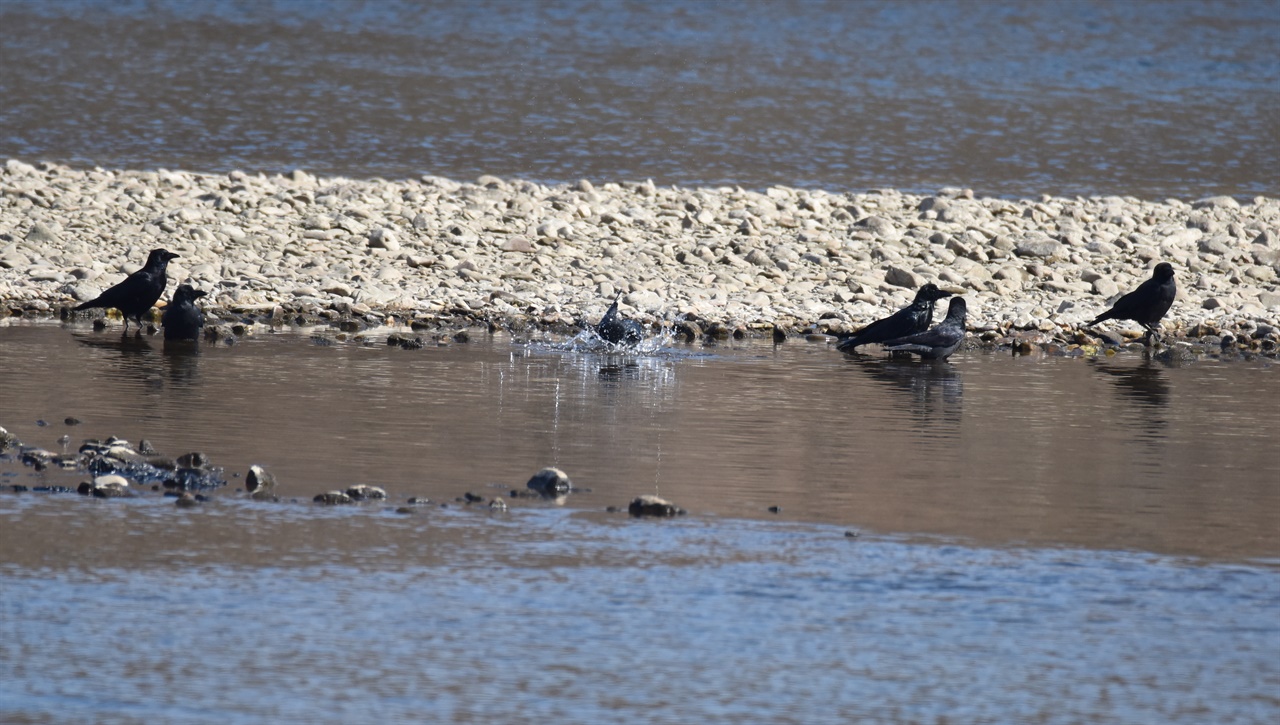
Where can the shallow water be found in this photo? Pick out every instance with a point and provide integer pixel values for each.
(1118, 453)
(1151, 99)
(1040, 539)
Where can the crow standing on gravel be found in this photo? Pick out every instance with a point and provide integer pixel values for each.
(1147, 304)
(618, 331)
(906, 321)
(941, 341)
(182, 320)
(138, 292)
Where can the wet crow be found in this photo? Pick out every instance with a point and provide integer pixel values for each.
(182, 320)
(618, 331)
(138, 292)
(941, 341)
(1147, 304)
(906, 321)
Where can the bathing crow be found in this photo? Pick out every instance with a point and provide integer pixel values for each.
(617, 330)
(138, 292)
(906, 321)
(182, 320)
(1147, 304)
(941, 341)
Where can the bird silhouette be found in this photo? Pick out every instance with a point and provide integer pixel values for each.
(909, 320)
(182, 319)
(138, 292)
(941, 341)
(613, 329)
(1147, 304)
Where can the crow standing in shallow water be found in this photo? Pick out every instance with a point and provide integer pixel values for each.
(906, 321)
(138, 292)
(1147, 304)
(941, 341)
(182, 320)
(618, 331)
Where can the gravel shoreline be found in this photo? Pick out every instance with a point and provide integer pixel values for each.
(520, 255)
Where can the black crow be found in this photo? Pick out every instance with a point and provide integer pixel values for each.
(618, 331)
(182, 320)
(941, 341)
(907, 321)
(1147, 304)
(138, 292)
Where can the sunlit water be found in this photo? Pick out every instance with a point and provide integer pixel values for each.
(1152, 99)
(1039, 539)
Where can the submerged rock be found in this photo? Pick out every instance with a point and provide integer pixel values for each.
(195, 459)
(108, 486)
(365, 492)
(189, 500)
(8, 441)
(550, 483)
(653, 506)
(333, 498)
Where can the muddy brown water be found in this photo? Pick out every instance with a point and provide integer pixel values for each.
(1040, 538)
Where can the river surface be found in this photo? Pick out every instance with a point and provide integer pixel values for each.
(1150, 99)
(1037, 538)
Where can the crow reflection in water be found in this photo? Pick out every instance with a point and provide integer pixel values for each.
(933, 393)
(138, 360)
(1145, 383)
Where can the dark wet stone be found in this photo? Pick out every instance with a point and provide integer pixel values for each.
(146, 449)
(42, 423)
(332, 498)
(775, 509)
(649, 505)
(688, 331)
(408, 510)
(260, 483)
(72, 421)
(162, 462)
(37, 458)
(613, 509)
(470, 497)
(851, 534)
(550, 482)
(779, 335)
(18, 488)
(365, 492)
(195, 479)
(194, 459)
(718, 331)
(462, 336)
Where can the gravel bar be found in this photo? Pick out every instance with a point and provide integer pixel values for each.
(523, 255)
